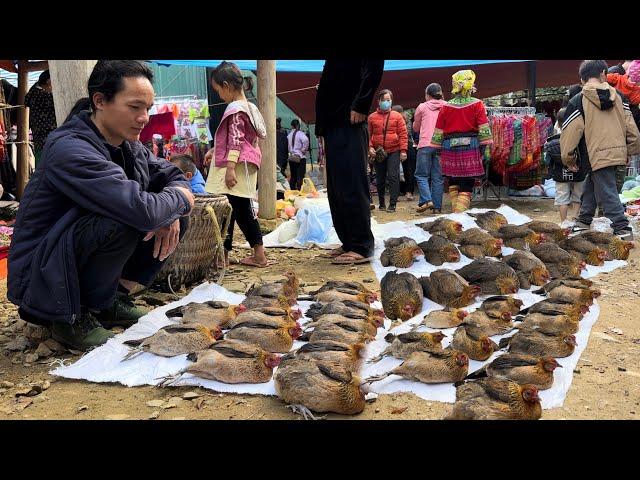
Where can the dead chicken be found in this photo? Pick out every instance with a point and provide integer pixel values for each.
(266, 334)
(529, 268)
(347, 308)
(444, 366)
(583, 249)
(257, 316)
(616, 248)
(469, 340)
(229, 361)
(476, 243)
(550, 323)
(495, 399)
(552, 231)
(491, 221)
(447, 318)
(369, 325)
(210, 314)
(494, 277)
(401, 295)
(341, 294)
(400, 255)
(174, 340)
(483, 324)
(345, 331)
(582, 296)
(500, 304)
(554, 306)
(319, 386)
(289, 287)
(577, 282)
(449, 289)
(349, 356)
(518, 236)
(450, 229)
(333, 284)
(256, 301)
(438, 250)
(522, 369)
(559, 262)
(541, 343)
(404, 344)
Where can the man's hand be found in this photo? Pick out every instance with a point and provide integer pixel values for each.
(403, 156)
(372, 152)
(573, 168)
(208, 157)
(187, 193)
(357, 117)
(167, 239)
(230, 178)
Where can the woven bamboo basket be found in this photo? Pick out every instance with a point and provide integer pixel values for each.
(201, 246)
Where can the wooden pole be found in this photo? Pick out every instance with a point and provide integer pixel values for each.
(532, 82)
(267, 106)
(22, 163)
(69, 84)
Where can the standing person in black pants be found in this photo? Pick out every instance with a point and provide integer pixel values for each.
(298, 152)
(282, 147)
(343, 101)
(409, 166)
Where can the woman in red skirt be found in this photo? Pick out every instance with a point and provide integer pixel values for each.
(462, 131)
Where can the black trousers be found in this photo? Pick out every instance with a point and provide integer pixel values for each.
(298, 171)
(346, 150)
(465, 184)
(388, 171)
(409, 167)
(107, 250)
(248, 223)
(282, 164)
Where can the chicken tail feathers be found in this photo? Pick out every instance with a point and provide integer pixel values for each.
(504, 342)
(480, 373)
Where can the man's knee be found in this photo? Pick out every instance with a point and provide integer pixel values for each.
(105, 230)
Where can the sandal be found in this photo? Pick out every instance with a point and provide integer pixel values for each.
(251, 262)
(350, 258)
(336, 252)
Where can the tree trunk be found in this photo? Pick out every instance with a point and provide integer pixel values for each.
(22, 162)
(69, 83)
(267, 106)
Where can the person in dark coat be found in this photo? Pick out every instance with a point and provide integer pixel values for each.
(42, 114)
(282, 146)
(82, 237)
(343, 102)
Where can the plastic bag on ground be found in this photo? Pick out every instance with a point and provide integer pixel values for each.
(314, 222)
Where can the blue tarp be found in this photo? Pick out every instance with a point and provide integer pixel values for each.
(316, 65)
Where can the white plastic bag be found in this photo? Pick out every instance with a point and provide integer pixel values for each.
(315, 224)
(288, 230)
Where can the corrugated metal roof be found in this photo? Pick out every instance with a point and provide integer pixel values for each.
(12, 78)
(179, 80)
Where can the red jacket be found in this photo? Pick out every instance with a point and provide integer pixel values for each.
(625, 86)
(396, 137)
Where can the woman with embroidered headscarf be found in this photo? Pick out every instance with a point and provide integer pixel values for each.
(462, 131)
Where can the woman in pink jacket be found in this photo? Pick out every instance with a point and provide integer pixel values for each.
(236, 159)
(428, 174)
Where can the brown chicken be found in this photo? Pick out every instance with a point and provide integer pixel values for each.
(552, 232)
(470, 341)
(559, 262)
(447, 288)
(256, 301)
(499, 304)
(491, 221)
(256, 316)
(318, 385)
(616, 248)
(266, 335)
(404, 344)
(553, 306)
(567, 282)
(480, 323)
(476, 243)
(400, 255)
(582, 296)
(448, 318)
(522, 369)
(530, 269)
(210, 314)
(540, 343)
(341, 294)
(346, 308)
(289, 288)
(496, 399)
(551, 323)
(444, 366)
(438, 250)
(349, 356)
(518, 236)
(369, 325)
(401, 295)
(229, 361)
(174, 340)
(583, 249)
(450, 229)
(345, 332)
(333, 284)
(494, 277)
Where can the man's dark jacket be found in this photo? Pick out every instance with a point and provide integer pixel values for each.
(77, 176)
(345, 85)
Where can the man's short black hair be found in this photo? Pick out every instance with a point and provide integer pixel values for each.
(44, 76)
(574, 90)
(185, 162)
(592, 69)
(295, 123)
(107, 76)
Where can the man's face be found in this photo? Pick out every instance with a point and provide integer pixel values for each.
(127, 113)
(47, 86)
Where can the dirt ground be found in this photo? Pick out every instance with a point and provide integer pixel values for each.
(606, 382)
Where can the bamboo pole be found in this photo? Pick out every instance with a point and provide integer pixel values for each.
(22, 163)
(267, 105)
